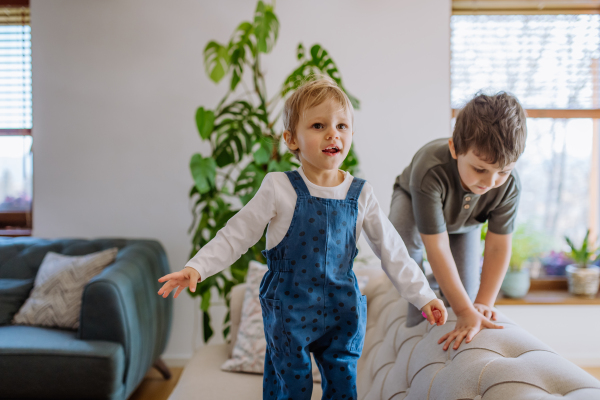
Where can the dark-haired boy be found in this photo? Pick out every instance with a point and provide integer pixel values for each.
(451, 187)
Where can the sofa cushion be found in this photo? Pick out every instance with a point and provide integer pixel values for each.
(202, 379)
(235, 305)
(58, 286)
(36, 361)
(13, 293)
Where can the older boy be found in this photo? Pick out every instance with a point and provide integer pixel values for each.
(451, 187)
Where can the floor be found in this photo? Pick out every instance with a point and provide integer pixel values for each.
(594, 371)
(154, 387)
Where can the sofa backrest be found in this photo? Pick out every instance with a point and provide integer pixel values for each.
(20, 258)
(498, 364)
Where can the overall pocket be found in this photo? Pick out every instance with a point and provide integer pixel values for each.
(275, 333)
(359, 339)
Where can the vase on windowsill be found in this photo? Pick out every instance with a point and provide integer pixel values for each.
(516, 283)
(583, 276)
(526, 246)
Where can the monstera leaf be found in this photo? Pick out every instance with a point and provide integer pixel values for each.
(205, 121)
(237, 128)
(203, 171)
(266, 27)
(216, 60)
(241, 48)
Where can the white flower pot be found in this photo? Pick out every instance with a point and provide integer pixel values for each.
(583, 281)
(516, 283)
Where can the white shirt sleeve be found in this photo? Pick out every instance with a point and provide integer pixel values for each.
(387, 244)
(241, 232)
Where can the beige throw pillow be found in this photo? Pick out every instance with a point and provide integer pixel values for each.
(55, 300)
(248, 353)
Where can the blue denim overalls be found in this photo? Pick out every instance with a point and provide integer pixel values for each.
(310, 299)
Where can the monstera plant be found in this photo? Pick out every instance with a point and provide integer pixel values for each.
(245, 144)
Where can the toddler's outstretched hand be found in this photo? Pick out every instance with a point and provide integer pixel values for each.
(435, 312)
(180, 280)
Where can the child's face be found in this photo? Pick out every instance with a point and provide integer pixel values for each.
(323, 136)
(476, 174)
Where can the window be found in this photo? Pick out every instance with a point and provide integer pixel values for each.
(15, 119)
(548, 58)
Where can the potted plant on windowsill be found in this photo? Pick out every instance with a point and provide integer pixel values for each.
(583, 276)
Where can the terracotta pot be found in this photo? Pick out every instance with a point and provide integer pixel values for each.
(583, 281)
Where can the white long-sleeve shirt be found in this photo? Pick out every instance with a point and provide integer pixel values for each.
(274, 205)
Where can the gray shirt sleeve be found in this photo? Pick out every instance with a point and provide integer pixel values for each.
(502, 218)
(427, 201)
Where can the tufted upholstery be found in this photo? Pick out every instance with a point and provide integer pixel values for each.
(407, 363)
(124, 326)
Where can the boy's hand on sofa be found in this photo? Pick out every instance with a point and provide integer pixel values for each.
(468, 324)
(488, 312)
(187, 277)
(435, 312)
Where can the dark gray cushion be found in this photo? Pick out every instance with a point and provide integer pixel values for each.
(13, 293)
(62, 366)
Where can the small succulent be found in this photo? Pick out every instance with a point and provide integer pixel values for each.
(584, 255)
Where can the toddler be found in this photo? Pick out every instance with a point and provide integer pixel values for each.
(309, 296)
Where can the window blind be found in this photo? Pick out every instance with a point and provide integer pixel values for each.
(15, 70)
(547, 61)
(472, 7)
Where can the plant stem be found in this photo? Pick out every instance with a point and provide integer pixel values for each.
(218, 109)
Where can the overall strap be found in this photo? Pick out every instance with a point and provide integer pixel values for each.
(298, 183)
(355, 189)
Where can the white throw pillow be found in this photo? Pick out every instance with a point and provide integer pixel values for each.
(248, 354)
(55, 300)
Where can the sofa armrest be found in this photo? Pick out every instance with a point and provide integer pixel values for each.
(121, 305)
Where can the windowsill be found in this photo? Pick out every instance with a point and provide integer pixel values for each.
(15, 232)
(549, 291)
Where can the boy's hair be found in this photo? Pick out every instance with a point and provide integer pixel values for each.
(494, 127)
(311, 94)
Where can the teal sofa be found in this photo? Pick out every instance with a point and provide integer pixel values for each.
(124, 324)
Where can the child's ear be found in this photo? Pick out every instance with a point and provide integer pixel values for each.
(452, 149)
(290, 141)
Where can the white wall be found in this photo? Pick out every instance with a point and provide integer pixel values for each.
(570, 330)
(116, 85)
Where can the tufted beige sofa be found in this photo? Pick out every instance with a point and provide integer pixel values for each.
(407, 363)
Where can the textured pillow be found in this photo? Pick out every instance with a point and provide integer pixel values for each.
(13, 293)
(55, 300)
(248, 353)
